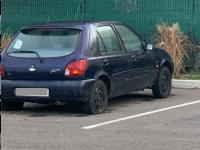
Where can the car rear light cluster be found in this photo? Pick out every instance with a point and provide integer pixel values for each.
(75, 68)
(2, 70)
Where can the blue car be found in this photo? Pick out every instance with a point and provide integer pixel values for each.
(81, 62)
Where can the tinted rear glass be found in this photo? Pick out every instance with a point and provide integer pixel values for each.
(109, 39)
(46, 42)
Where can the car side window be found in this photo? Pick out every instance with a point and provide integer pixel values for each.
(109, 40)
(130, 39)
(102, 48)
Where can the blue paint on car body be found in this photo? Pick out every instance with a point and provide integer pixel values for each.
(122, 71)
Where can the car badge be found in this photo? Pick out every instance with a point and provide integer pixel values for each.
(55, 70)
(32, 68)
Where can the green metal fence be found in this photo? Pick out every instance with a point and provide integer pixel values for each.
(142, 15)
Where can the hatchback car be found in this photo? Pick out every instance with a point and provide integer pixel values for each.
(81, 61)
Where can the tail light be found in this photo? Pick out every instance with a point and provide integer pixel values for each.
(2, 70)
(75, 68)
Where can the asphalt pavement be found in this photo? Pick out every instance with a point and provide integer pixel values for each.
(135, 121)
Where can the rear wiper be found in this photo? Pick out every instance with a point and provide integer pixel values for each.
(27, 52)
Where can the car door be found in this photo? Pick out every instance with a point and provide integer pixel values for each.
(143, 64)
(114, 61)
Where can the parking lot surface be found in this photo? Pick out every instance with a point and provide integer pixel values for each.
(149, 124)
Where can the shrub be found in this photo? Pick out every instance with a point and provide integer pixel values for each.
(197, 61)
(171, 39)
(7, 36)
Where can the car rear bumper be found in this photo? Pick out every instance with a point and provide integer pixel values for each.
(63, 91)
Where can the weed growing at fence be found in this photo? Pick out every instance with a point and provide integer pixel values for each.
(7, 36)
(171, 39)
(197, 61)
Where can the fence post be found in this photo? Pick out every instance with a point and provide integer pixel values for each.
(78, 9)
(83, 10)
(192, 17)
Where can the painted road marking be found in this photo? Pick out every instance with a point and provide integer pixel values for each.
(139, 115)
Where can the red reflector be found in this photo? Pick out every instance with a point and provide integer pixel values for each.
(2, 70)
(75, 68)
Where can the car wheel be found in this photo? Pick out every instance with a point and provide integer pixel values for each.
(162, 87)
(98, 100)
(7, 106)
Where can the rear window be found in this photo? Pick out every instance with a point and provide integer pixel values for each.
(46, 42)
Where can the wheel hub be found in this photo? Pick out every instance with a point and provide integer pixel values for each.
(164, 82)
(99, 99)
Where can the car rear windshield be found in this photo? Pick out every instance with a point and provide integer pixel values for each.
(49, 42)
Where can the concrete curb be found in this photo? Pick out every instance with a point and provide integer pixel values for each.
(185, 83)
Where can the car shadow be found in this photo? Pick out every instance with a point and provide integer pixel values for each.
(75, 110)
(133, 98)
(42, 110)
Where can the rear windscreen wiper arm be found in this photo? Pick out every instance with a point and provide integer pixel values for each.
(27, 52)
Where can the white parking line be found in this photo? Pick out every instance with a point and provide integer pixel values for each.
(139, 115)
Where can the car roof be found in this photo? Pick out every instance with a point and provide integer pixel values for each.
(71, 23)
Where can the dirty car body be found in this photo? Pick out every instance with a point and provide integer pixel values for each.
(80, 61)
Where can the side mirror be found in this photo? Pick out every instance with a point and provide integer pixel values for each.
(150, 47)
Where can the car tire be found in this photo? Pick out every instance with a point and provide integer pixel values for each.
(162, 87)
(98, 100)
(8, 106)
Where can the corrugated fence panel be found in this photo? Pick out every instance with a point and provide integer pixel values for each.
(17, 13)
(196, 21)
(142, 15)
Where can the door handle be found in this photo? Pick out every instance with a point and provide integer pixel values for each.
(133, 57)
(105, 62)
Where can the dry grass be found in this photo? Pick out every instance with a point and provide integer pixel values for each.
(197, 62)
(171, 39)
(7, 36)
